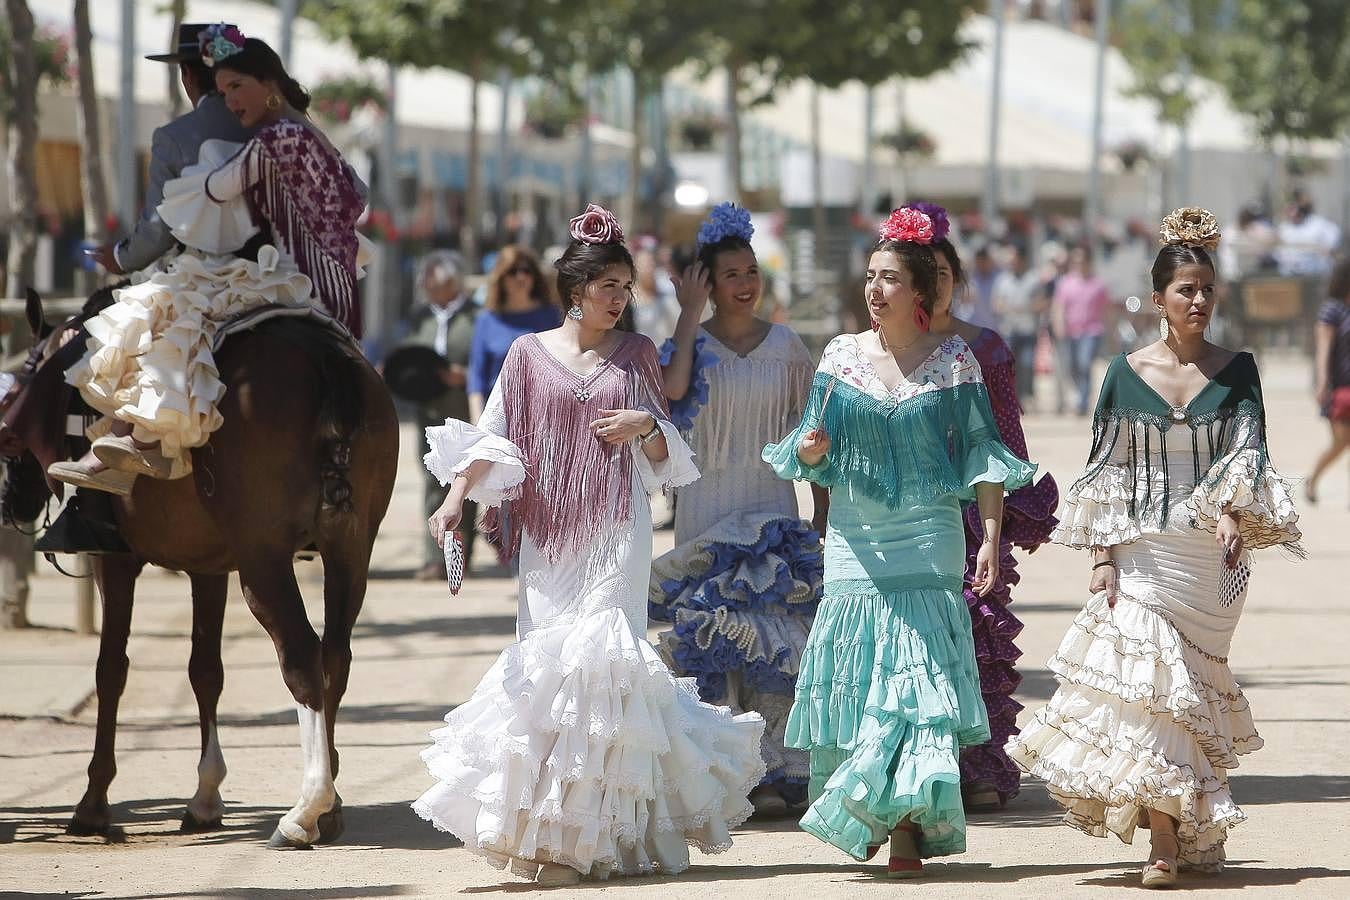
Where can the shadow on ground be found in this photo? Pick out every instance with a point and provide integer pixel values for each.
(154, 823)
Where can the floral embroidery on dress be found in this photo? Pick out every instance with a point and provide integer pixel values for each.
(951, 363)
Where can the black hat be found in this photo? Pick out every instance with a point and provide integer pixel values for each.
(413, 373)
(189, 45)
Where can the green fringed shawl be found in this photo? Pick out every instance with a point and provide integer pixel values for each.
(1226, 416)
(902, 452)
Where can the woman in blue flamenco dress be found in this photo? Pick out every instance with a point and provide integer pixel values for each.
(898, 426)
(742, 582)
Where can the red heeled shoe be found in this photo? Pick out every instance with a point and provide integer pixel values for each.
(906, 866)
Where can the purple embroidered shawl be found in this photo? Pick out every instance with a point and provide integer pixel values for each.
(576, 485)
(306, 193)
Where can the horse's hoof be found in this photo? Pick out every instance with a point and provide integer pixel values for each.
(78, 827)
(279, 841)
(192, 825)
(331, 824)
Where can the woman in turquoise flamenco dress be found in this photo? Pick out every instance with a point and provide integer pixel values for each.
(898, 426)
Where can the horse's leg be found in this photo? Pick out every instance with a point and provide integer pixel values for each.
(207, 674)
(346, 566)
(268, 579)
(116, 577)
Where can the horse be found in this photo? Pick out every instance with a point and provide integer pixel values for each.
(306, 455)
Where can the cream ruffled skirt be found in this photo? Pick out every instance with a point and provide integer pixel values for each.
(150, 360)
(1147, 714)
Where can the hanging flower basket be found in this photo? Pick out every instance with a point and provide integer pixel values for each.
(911, 142)
(551, 113)
(51, 55)
(699, 130)
(1131, 153)
(336, 99)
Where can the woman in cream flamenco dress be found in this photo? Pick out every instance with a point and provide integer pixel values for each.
(150, 365)
(1148, 720)
(579, 753)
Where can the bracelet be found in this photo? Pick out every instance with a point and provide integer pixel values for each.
(654, 433)
(1106, 562)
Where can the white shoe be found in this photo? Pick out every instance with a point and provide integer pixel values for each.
(110, 481)
(554, 875)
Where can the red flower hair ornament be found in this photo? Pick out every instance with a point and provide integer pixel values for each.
(907, 224)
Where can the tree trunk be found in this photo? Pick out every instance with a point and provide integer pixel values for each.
(630, 200)
(733, 114)
(93, 187)
(177, 12)
(468, 233)
(22, 162)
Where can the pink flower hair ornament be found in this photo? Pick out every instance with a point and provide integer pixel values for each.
(942, 225)
(907, 224)
(596, 225)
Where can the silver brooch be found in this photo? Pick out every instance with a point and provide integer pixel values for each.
(581, 394)
(1178, 414)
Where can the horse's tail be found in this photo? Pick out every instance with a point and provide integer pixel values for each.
(341, 410)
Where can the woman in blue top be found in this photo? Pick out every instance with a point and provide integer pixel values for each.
(518, 302)
(898, 426)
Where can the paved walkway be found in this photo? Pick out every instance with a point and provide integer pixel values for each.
(418, 651)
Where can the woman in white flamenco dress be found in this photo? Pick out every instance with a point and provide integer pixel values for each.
(150, 360)
(1148, 719)
(579, 753)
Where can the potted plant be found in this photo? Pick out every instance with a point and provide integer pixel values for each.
(910, 142)
(336, 99)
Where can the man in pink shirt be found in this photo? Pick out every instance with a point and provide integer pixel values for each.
(1078, 319)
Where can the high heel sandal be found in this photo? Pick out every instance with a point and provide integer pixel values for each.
(1156, 878)
(906, 866)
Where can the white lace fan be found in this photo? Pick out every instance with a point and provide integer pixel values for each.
(454, 561)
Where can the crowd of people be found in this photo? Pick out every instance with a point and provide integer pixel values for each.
(857, 664)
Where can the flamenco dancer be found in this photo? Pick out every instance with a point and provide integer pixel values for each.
(742, 583)
(1179, 488)
(579, 753)
(988, 778)
(898, 427)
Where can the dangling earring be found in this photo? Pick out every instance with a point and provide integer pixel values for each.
(574, 313)
(1163, 328)
(922, 318)
(273, 102)
(876, 326)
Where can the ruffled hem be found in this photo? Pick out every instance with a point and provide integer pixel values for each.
(906, 654)
(764, 648)
(684, 410)
(195, 218)
(1097, 513)
(456, 445)
(1256, 493)
(1142, 719)
(150, 359)
(1029, 513)
(580, 748)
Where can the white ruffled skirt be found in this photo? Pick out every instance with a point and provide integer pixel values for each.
(579, 747)
(1147, 714)
(150, 360)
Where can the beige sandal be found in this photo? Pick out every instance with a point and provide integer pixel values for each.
(120, 452)
(553, 875)
(1161, 871)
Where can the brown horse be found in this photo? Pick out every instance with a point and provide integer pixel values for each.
(306, 454)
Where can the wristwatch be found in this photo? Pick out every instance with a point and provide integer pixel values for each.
(654, 433)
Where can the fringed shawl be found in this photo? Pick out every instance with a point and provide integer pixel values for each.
(577, 486)
(306, 193)
(1226, 416)
(938, 442)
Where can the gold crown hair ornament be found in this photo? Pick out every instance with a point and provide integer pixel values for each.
(1191, 226)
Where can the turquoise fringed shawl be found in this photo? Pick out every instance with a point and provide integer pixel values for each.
(902, 452)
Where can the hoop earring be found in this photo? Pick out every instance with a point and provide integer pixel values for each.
(1163, 328)
(273, 102)
(574, 313)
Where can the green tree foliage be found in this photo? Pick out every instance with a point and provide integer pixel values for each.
(1284, 65)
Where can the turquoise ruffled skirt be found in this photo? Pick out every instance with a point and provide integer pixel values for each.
(887, 695)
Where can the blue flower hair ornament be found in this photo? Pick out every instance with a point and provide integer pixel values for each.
(726, 220)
